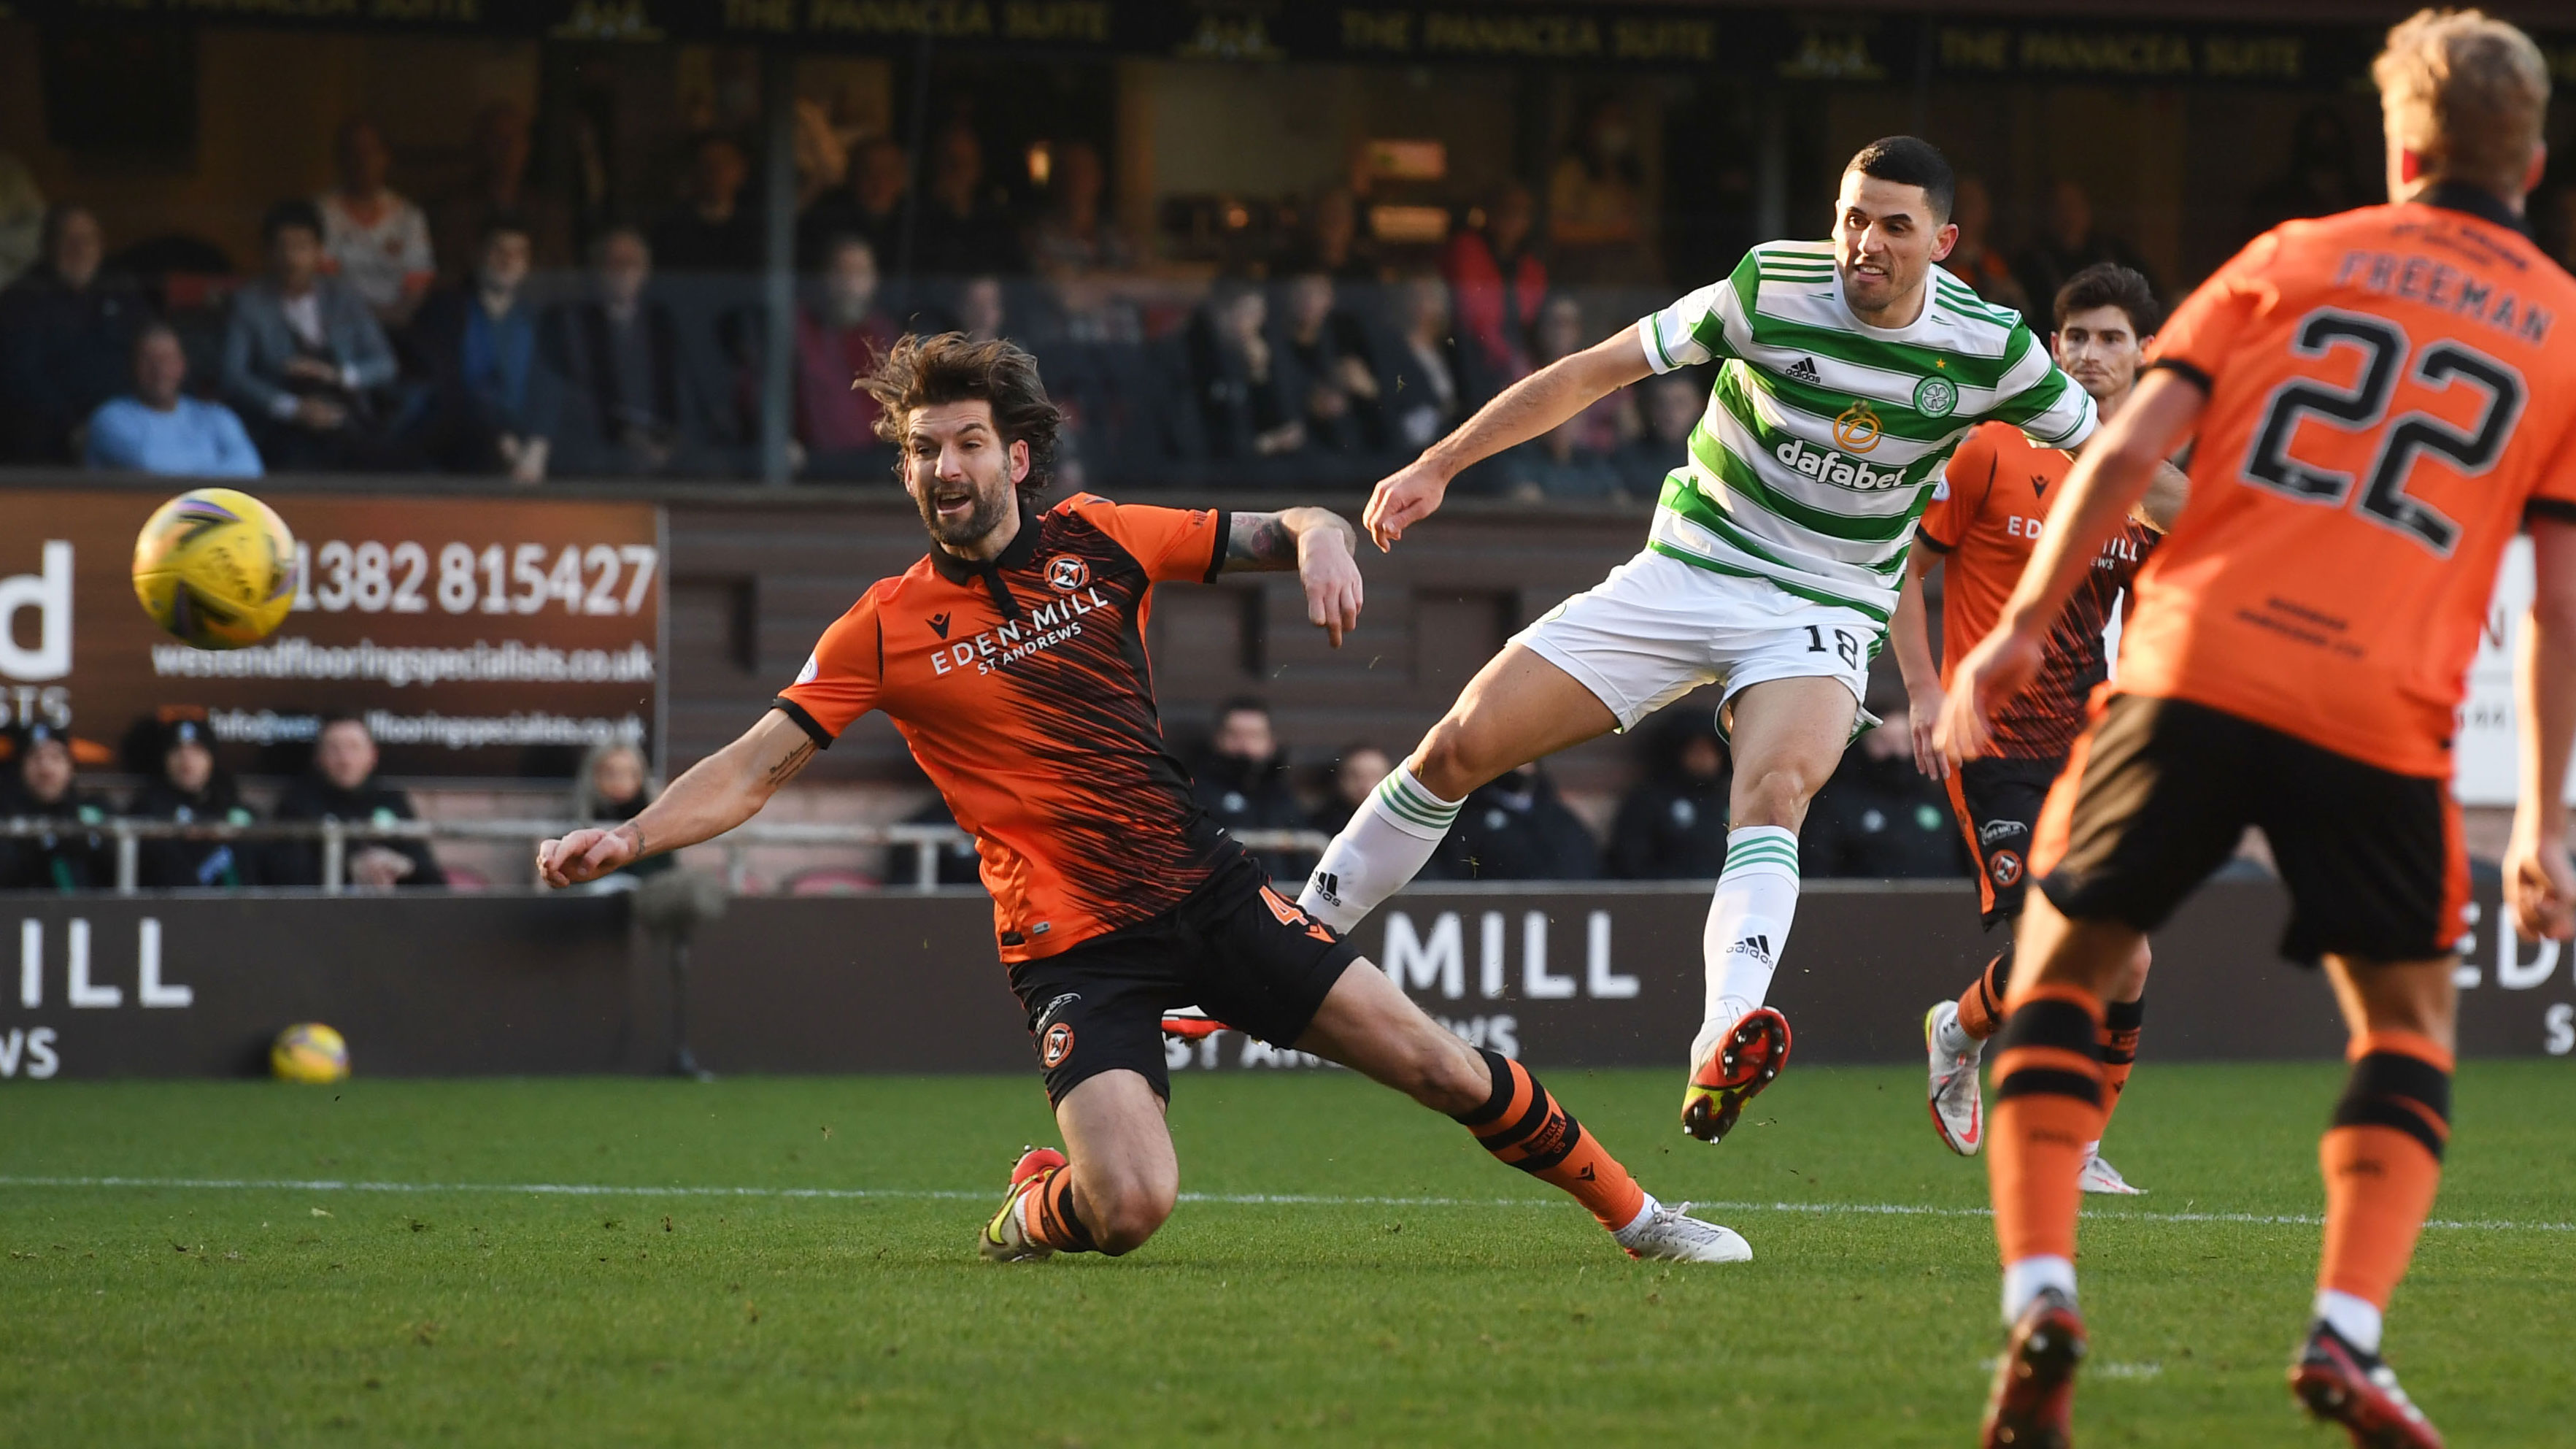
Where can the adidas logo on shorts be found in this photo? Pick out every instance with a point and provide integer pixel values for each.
(1804, 370)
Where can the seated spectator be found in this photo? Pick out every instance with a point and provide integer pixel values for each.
(711, 230)
(1515, 828)
(869, 207)
(1330, 348)
(342, 786)
(631, 403)
(492, 403)
(303, 356)
(74, 857)
(1878, 817)
(1673, 405)
(160, 429)
(1499, 284)
(1251, 401)
(2070, 243)
(1555, 465)
(499, 187)
(375, 241)
(190, 788)
(1242, 782)
(1596, 202)
(839, 337)
(1973, 258)
(1331, 242)
(615, 785)
(1672, 826)
(1432, 392)
(1355, 774)
(965, 227)
(1075, 238)
(981, 313)
(67, 329)
(1610, 420)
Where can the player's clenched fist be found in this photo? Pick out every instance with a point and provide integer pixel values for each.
(1404, 497)
(585, 855)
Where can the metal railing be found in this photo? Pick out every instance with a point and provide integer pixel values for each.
(127, 833)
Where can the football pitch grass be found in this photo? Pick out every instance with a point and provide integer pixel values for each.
(790, 1261)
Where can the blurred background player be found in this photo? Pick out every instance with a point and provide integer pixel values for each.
(1012, 660)
(1983, 524)
(1848, 370)
(2378, 403)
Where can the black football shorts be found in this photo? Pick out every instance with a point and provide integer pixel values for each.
(1234, 946)
(1997, 802)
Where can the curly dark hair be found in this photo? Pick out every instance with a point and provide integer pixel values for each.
(920, 372)
(2108, 284)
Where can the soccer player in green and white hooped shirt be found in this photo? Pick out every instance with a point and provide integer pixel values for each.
(1849, 370)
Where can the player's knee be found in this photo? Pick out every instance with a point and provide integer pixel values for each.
(1452, 760)
(1777, 794)
(1128, 1212)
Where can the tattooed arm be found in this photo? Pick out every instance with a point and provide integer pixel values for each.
(1317, 543)
(718, 793)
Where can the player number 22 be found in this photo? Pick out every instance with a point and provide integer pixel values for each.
(2383, 499)
(1844, 644)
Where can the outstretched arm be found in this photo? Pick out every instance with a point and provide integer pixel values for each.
(718, 793)
(1519, 413)
(2539, 884)
(1911, 634)
(1317, 543)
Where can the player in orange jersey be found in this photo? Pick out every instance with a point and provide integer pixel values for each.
(2379, 400)
(1980, 530)
(1012, 659)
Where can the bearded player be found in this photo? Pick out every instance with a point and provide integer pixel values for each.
(1982, 525)
(1012, 659)
(1847, 371)
(2379, 399)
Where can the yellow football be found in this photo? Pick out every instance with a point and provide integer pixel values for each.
(216, 568)
(309, 1052)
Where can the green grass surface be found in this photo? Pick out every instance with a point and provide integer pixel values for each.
(290, 1315)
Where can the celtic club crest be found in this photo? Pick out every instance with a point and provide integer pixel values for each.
(1936, 397)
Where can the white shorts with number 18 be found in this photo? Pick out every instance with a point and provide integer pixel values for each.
(1658, 628)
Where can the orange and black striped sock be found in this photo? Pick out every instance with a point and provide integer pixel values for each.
(1981, 1006)
(2047, 1106)
(2382, 1159)
(1524, 1127)
(2121, 1022)
(1047, 1212)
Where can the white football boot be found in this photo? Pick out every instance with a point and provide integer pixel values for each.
(1670, 1234)
(2102, 1177)
(1958, 1106)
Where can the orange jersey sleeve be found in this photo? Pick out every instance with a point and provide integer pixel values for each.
(1174, 544)
(842, 678)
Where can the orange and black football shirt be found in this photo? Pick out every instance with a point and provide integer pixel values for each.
(2389, 396)
(1023, 688)
(1992, 507)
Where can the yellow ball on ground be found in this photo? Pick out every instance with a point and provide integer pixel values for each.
(309, 1052)
(216, 568)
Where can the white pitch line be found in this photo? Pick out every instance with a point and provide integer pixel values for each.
(1239, 1199)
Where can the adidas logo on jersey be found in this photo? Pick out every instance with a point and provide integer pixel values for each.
(1832, 467)
(1804, 370)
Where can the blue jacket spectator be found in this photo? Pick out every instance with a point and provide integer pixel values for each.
(66, 340)
(303, 354)
(162, 430)
(493, 395)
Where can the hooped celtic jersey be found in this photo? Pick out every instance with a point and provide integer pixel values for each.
(1824, 437)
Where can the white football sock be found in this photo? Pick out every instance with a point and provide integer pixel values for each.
(1953, 1038)
(1389, 840)
(2024, 1281)
(1748, 925)
(1645, 1214)
(2357, 1319)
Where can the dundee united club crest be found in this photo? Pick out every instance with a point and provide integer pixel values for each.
(1066, 573)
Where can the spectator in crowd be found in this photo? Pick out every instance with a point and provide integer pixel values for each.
(1076, 238)
(869, 207)
(1499, 284)
(1251, 399)
(160, 429)
(615, 785)
(1242, 782)
(499, 187)
(1562, 332)
(22, 218)
(2070, 244)
(1357, 772)
(192, 789)
(342, 785)
(964, 227)
(1515, 828)
(711, 230)
(1973, 258)
(1331, 241)
(1878, 816)
(1330, 347)
(631, 404)
(492, 397)
(373, 239)
(1672, 826)
(981, 309)
(2321, 178)
(1556, 464)
(1431, 391)
(303, 354)
(72, 854)
(1673, 405)
(839, 337)
(1596, 202)
(67, 330)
